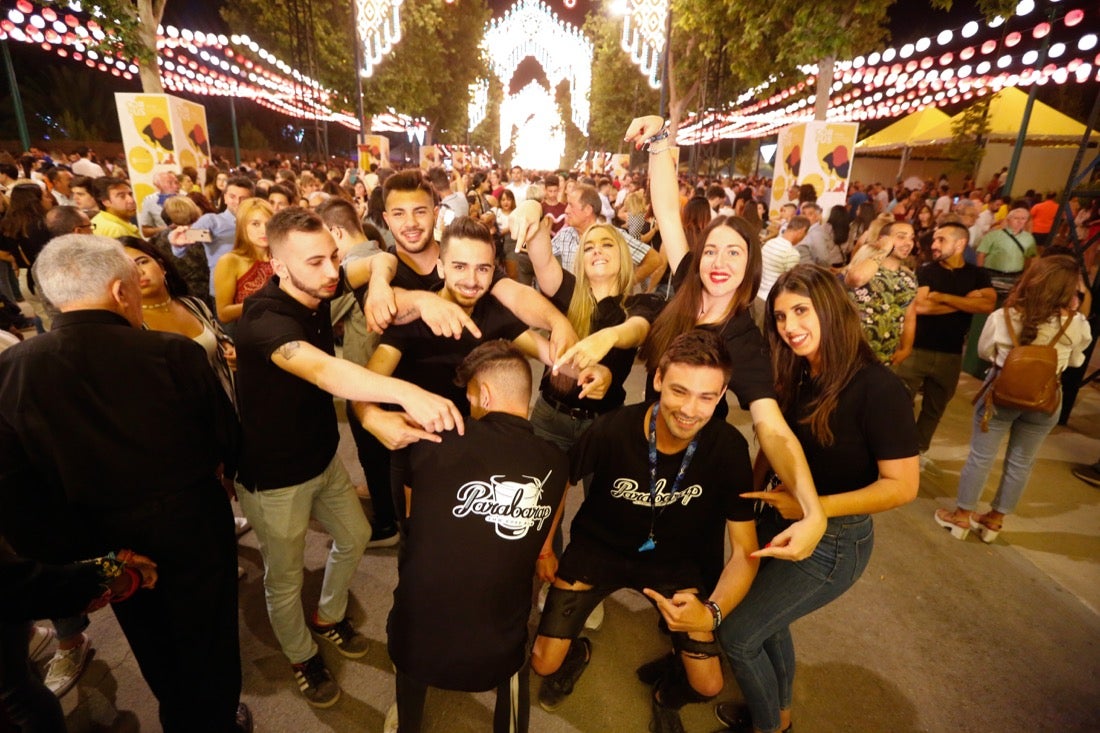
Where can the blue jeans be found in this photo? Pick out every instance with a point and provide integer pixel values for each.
(563, 431)
(1026, 432)
(756, 636)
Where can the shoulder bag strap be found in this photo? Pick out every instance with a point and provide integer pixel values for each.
(1017, 241)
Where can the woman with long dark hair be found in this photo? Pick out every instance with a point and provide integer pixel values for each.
(853, 419)
(716, 280)
(1041, 309)
(22, 236)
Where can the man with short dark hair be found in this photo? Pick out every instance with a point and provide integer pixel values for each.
(59, 179)
(222, 227)
(85, 166)
(489, 496)
(817, 246)
(948, 291)
(666, 480)
(289, 471)
(581, 210)
(552, 203)
(81, 192)
(117, 208)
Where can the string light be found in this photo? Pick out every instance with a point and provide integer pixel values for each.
(644, 35)
(862, 90)
(379, 25)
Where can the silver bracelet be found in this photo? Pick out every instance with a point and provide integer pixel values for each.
(662, 135)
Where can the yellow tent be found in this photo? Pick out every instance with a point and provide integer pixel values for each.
(1047, 127)
(904, 132)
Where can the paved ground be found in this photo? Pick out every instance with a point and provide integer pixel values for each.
(938, 635)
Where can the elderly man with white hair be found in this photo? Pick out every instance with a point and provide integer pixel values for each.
(150, 218)
(111, 436)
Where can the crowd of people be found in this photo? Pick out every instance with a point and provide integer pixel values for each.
(184, 352)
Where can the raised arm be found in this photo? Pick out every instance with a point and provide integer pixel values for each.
(533, 233)
(664, 191)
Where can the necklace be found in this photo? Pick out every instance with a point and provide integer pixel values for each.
(158, 306)
(651, 541)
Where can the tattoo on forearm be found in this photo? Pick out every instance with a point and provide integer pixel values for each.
(406, 316)
(288, 349)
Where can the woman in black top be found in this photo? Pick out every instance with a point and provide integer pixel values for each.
(23, 234)
(716, 281)
(854, 421)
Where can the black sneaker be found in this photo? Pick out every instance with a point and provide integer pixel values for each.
(383, 537)
(243, 719)
(1089, 474)
(736, 717)
(316, 683)
(341, 635)
(665, 720)
(559, 685)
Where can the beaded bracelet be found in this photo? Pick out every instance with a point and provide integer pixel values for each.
(715, 611)
(663, 134)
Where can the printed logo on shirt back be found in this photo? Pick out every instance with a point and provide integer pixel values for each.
(512, 506)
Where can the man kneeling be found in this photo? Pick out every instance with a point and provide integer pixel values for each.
(479, 506)
(666, 478)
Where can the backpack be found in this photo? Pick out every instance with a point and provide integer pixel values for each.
(1028, 380)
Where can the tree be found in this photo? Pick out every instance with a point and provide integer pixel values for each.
(967, 146)
(487, 134)
(130, 27)
(430, 71)
(619, 92)
(785, 34)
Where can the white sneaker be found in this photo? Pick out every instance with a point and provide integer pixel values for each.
(41, 636)
(926, 463)
(390, 725)
(66, 666)
(595, 619)
(242, 525)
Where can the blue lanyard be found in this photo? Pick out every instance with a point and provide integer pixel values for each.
(651, 543)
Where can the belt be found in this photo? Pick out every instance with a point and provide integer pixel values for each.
(1002, 273)
(576, 413)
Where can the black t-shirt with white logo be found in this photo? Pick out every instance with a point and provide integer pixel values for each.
(481, 508)
(430, 361)
(945, 333)
(617, 510)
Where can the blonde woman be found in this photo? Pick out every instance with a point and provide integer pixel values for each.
(247, 267)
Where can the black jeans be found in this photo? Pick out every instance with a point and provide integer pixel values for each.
(512, 713)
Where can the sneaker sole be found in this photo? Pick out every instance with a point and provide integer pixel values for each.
(67, 687)
(324, 703)
(341, 650)
(380, 544)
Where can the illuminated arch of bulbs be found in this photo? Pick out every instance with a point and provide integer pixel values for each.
(477, 109)
(952, 66)
(529, 28)
(195, 62)
(378, 23)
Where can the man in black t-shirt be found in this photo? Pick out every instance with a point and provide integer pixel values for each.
(489, 497)
(666, 481)
(289, 471)
(948, 291)
(410, 213)
(412, 352)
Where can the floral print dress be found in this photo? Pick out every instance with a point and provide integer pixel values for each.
(881, 304)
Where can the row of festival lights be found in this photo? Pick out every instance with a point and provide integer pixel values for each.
(898, 81)
(206, 64)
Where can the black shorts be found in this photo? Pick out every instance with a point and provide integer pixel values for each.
(607, 571)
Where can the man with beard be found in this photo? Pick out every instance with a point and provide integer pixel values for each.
(413, 353)
(289, 470)
(410, 213)
(949, 290)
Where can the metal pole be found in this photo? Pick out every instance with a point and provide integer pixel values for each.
(236, 137)
(362, 139)
(664, 64)
(16, 97)
(1021, 137)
